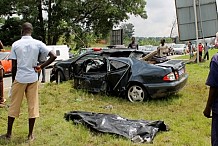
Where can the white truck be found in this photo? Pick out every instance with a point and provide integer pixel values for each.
(61, 51)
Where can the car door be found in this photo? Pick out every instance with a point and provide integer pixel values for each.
(7, 64)
(118, 75)
(90, 74)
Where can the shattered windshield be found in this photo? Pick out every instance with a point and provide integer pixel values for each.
(3, 55)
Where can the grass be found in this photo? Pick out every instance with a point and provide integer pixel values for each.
(182, 112)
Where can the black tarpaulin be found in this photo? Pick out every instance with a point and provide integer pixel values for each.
(136, 130)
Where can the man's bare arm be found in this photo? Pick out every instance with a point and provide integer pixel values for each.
(52, 57)
(14, 69)
(211, 97)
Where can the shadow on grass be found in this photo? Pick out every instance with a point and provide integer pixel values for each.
(165, 101)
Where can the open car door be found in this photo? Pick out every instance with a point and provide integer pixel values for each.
(118, 75)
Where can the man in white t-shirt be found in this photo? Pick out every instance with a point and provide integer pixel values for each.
(162, 49)
(24, 56)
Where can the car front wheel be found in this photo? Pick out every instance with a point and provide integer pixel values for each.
(136, 93)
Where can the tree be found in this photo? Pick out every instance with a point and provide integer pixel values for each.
(66, 16)
(10, 31)
(128, 30)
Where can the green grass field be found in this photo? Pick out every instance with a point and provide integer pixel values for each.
(181, 112)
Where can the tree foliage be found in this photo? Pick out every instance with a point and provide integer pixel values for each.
(55, 18)
(10, 31)
(128, 31)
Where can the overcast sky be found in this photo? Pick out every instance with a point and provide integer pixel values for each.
(161, 15)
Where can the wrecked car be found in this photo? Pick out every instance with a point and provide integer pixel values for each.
(63, 70)
(135, 79)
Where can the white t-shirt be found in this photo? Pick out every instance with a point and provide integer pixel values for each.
(161, 50)
(26, 52)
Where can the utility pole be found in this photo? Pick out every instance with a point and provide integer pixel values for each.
(196, 28)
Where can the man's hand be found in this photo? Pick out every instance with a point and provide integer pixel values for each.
(207, 112)
(38, 69)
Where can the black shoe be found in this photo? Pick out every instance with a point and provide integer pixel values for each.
(42, 81)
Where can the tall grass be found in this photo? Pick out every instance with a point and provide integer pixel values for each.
(181, 112)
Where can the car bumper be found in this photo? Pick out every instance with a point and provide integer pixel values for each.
(165, 89)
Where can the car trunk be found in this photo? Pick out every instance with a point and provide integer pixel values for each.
(177, 66)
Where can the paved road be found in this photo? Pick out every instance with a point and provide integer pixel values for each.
(8, 79)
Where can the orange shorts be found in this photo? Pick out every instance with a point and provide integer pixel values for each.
(17, 94)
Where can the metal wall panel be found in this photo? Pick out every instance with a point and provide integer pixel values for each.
(206, 15)
(117, 37)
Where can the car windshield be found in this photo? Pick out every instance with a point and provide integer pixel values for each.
(147, 48)
(179, 46)
(150, 49)
(3, 55)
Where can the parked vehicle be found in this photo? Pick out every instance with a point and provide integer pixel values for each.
(91, 49)
(7, 64)
(170, 50)
(116, 46)
(149, 48)
(134, 79)
(61, 51)
(179, 49)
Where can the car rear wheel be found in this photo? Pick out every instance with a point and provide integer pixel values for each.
(59, 77)
(136, 93)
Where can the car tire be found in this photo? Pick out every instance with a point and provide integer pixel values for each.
(136, 93)
(59, 77)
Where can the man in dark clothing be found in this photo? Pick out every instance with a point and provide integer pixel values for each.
(2, 100)
(133, 44)
(212, 102)
(206, 53)
(1, 46)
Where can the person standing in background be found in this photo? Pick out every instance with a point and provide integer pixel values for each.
(190, 49)
(162, 48)
(24, 56)
(42, 58)
(133, 44)
(201, 48)
(206, 53)
(2, 99)
(212, 101)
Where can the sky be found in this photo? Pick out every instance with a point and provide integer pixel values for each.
(161, 15)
